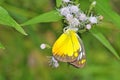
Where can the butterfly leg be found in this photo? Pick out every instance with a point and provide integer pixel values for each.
(53, 62)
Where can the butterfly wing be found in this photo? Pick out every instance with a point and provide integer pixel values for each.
(66, 48)
(81, 60)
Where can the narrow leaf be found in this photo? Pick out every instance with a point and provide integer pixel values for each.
(104, 41)
(58, 3)
(1, 46)
(5, 19)
(103, 7)
(51, 16)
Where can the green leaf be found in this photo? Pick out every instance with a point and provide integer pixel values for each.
(1, 46)
(104, 41)
(103, 7)
(58, 3)
(5, 19)
(51, 16)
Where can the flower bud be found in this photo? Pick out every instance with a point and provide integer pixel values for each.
(43, 46)
(100, 17)
(88, 26)
(93, 20)
(93, 3)
(66, 1)
(82, 17)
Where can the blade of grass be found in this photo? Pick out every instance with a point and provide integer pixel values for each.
(6, 19)
(103, 7)
(104, 41)
(18, 10)
(51, 16)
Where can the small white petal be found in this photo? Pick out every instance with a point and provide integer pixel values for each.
(93, 20)
(74, 9)
(74, 22)
(66, 1)
(88, 26)
(64, 11)
(43, 46)
(69, 17)
(82, 17)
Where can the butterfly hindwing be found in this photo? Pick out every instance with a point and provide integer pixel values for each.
(79, 63)
(81, 59)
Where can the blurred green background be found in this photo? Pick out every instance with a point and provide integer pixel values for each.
(22, 58)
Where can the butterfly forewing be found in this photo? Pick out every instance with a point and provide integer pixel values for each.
(66, 48)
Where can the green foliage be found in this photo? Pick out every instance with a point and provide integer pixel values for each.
(5, 19)
(58, 3)
(1, 46)
(103, 7)
(51, 16)
(104, 41)
(22, 58)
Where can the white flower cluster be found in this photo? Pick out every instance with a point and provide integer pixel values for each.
(75, 17)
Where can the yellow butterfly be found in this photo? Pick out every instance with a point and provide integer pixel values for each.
(69, 48)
